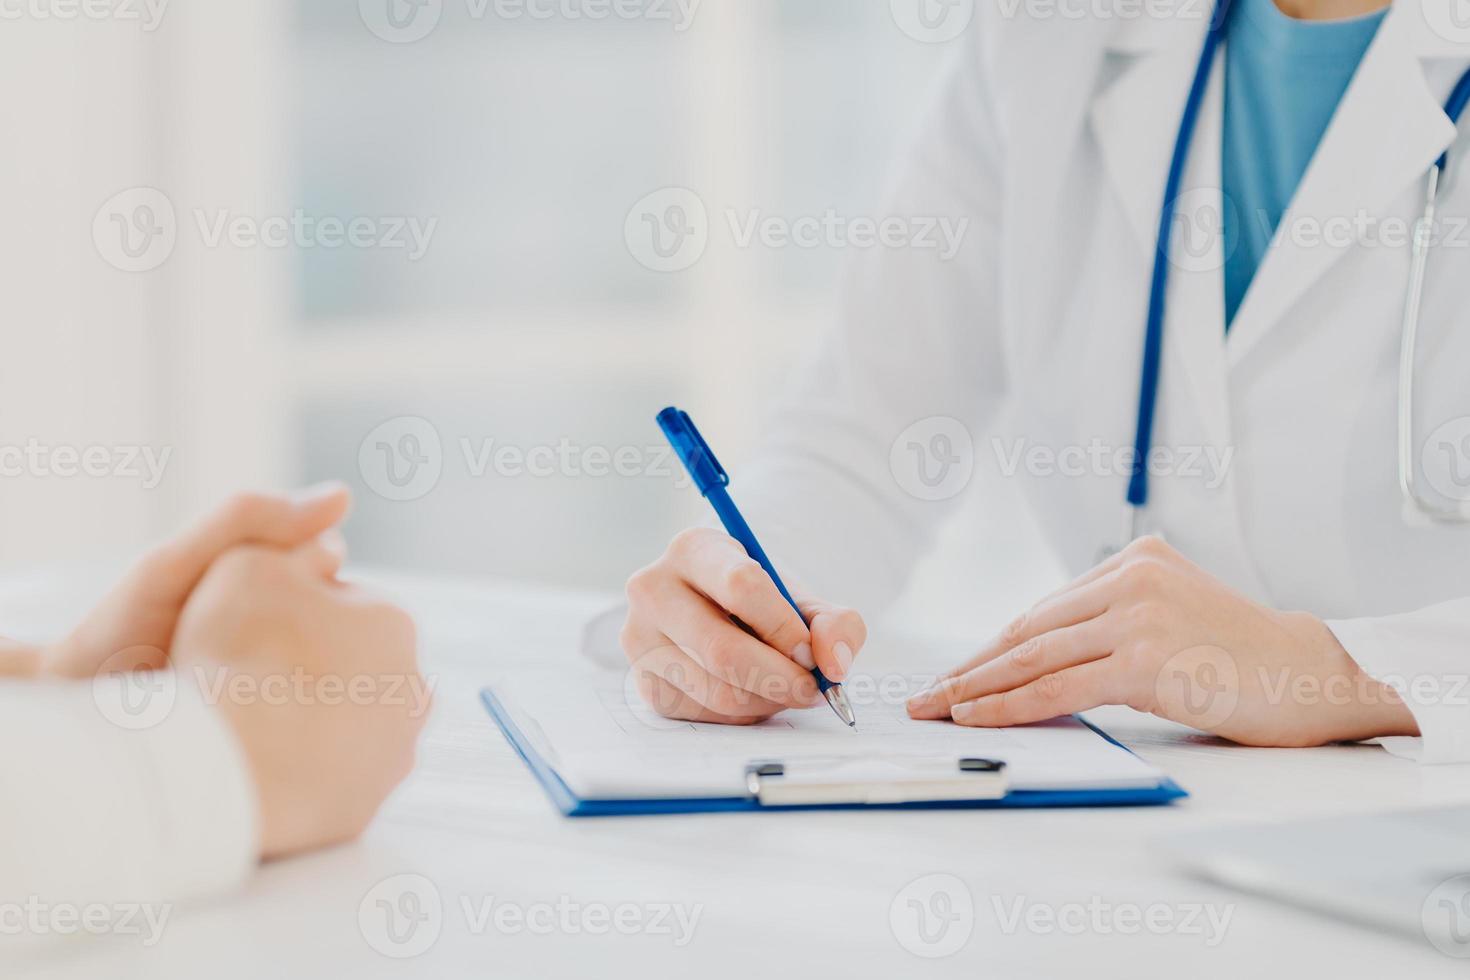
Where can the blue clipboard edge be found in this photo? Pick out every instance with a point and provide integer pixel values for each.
(572, 805)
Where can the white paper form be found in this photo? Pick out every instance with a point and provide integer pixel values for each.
(606, 744)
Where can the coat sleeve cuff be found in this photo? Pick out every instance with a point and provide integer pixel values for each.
(122, 791)
(1425, 657)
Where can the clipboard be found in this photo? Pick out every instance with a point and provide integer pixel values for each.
(833, 781)
(799, 785)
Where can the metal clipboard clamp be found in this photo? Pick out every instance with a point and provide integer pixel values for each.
(836, 781)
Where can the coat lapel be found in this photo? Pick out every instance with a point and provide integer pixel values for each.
(1383, 139)
(1385, 135)
(1136, 123)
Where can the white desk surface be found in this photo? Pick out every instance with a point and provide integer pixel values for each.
(780, 894)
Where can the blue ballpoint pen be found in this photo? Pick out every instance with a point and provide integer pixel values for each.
(711, 480)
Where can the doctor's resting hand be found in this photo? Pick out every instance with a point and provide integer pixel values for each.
(1151, 630)
(1147, 629)
(243, 611)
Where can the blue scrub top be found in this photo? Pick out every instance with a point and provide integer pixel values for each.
(1284, 79)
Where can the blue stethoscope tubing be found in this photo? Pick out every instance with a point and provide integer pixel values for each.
(1153, 346)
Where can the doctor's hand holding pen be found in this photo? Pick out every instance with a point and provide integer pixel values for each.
(694, 662)
(1146, 628)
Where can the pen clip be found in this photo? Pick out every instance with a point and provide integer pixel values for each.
(709, 454)
(704, 467)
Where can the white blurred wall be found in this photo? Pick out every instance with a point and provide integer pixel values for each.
(129, 399)
(82, 360)
(526, 323)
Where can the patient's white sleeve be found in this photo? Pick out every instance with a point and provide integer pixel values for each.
(104, 803)
(1425, 656)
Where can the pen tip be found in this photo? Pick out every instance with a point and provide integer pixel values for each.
(839, 704)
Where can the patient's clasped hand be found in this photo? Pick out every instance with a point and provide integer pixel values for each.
(296, 698)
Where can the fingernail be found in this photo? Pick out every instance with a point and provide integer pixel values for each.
(923, 699)
(963, 713)
(317, 493)
(843, 653)
(803, 655)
